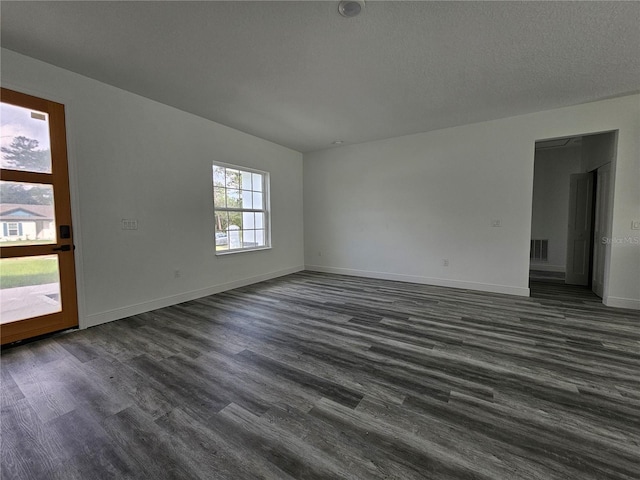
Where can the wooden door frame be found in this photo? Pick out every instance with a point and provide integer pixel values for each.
(68, 317)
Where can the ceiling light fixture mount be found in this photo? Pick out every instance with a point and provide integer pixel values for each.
(350, 8)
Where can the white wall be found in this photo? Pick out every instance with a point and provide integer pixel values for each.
(598, 150)
(138, 159)
(395, 208)
(550, 215)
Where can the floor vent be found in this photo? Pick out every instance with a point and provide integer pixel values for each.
(539, 249)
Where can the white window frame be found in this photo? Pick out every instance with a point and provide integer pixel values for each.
(266, 210)
(9, 228)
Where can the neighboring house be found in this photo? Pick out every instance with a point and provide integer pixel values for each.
(26, 222)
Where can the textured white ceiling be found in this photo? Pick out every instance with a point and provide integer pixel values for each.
(300, 75)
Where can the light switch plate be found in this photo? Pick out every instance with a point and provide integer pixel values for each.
(635, 225)
(129, 224)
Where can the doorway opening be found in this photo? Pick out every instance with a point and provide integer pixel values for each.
(571, 211)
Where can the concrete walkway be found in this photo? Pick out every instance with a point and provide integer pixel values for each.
(25, 302)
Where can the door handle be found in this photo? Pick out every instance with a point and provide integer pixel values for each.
(64, 248)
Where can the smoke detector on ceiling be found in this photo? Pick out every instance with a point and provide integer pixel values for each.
(350, 8)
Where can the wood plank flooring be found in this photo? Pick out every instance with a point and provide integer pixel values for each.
(317, 376)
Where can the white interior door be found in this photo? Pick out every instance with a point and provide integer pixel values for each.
(600, 227)
(579, 231)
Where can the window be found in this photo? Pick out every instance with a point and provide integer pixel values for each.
(241, 209)
(13, 229)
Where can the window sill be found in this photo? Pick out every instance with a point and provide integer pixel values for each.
(243, 250)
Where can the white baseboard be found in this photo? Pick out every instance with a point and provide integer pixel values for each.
(440, 282)
(547, 268)
(124, 312)
(618, 302)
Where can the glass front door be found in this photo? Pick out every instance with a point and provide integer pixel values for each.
(37, 273)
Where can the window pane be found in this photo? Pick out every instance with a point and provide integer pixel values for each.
(222, 221)
(221, 236)
(257, 182)
(259, 220)
(257, 201)
(247, 200)
(249, 238)
(219, 196)
(245, 180)
(29, 287)
(232, 178)
(218, 176)
(27, 214)
(235, 219)
(233, 199)
(24, 139)
(235, 237)
(260, 238)
(248, 220)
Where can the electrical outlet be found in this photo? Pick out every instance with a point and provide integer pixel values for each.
(496, 222)
(635, 225)
(129, 224)
(445, 262)
(177, 273)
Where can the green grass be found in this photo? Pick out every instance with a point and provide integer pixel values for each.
(20, 272)
(14, 243)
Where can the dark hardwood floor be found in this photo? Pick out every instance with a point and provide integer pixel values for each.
(321, 376)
